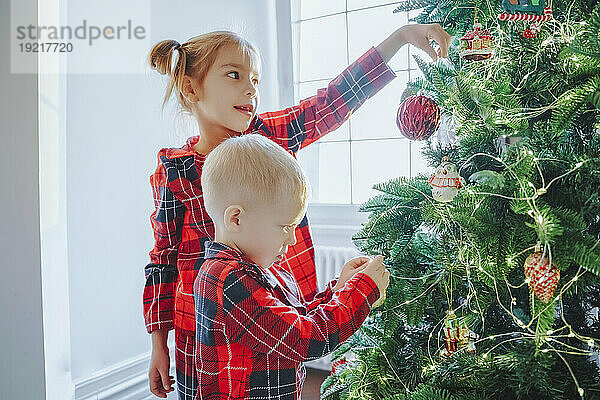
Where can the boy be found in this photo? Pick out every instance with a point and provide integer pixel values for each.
(252, 330)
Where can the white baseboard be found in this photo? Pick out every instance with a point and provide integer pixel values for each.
(127, 380)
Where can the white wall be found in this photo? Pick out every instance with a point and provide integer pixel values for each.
(114, 130)
(100, 157)
(22, 346)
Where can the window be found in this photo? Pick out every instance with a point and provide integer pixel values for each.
(327, 36)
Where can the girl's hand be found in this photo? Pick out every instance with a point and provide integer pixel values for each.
(158, 375)
(421, 35)
(349, 269)
(418, 35)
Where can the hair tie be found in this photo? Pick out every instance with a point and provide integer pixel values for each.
(177, 46)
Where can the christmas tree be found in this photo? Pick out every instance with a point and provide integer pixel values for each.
(494, 280)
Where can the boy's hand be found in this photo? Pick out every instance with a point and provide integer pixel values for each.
(349, 269)
(377, 271)
(158, 375)
(418, 35)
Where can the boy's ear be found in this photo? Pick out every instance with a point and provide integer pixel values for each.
(232, 217)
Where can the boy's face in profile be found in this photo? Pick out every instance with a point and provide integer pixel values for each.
(267, 231)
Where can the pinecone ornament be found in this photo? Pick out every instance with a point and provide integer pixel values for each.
(543, 276)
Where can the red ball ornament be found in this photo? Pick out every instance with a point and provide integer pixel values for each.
(418, 117)
(543, 276)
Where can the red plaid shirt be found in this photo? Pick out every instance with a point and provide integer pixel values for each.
(253, 331)
(182, 226)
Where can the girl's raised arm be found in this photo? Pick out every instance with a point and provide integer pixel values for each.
(297, 126)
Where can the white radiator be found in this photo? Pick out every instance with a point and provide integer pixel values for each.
(329, 261)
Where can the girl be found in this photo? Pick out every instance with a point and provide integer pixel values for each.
(215, 78)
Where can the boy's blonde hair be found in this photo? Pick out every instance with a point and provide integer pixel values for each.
(253, 171)
(194, 59)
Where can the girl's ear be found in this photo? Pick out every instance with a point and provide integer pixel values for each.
(232, 217)
(189, 89)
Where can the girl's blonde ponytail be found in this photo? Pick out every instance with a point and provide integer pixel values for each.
(160, 58)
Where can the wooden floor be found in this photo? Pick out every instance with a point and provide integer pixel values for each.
(312, 385)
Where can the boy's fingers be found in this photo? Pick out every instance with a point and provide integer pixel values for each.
(375, 264)
(358, 269)
(359, 261)
(362, 262)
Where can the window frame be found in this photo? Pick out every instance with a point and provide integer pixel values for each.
(332, 224)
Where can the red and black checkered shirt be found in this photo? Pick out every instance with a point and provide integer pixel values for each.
(182, 226)
(253, 331)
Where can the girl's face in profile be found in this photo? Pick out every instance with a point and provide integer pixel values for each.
(229, 94)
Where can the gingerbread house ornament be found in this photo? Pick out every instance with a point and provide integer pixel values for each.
(477, 45)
